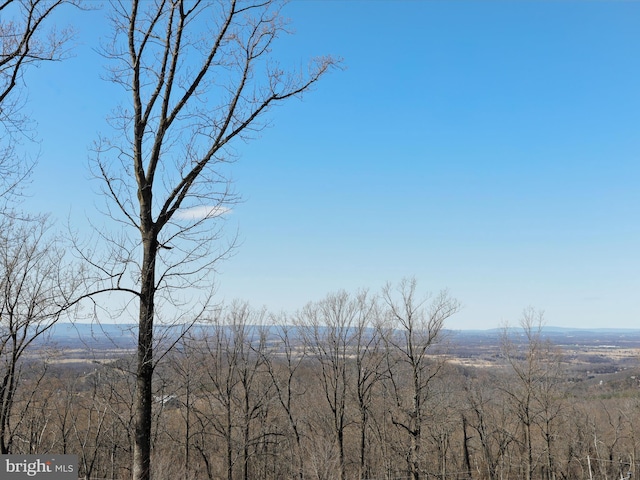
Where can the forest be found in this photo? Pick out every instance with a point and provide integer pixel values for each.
(354, 386)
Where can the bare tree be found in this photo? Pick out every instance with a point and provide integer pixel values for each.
(533, 387)
(33, 288)
(89, 425)
(200, 78)
(416, 331)
(184, 363)
(119, 388)
(369, 371)
(27, 37)
(328, 328)
(236, 391)
(521, 391)
(284, 364)
(490, 419)
(29, 417)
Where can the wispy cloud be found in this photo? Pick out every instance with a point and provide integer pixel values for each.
(202, 212)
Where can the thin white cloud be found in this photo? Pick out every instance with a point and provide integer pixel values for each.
(202, 212)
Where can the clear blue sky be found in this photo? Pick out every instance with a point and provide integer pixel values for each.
(488, 147)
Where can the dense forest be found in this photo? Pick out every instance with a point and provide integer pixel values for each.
(353, 386)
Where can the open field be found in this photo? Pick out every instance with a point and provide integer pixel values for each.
(585, 353)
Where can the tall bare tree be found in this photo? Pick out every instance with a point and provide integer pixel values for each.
(200, 78)
(327, 327)
(284, 364)
(369, 370)
(236, 390)
(533, 389)
(33, 295)
(416, 329)
(488, 416)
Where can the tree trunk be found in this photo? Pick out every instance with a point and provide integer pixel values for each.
(465, 447)
(363, 439)
(144, 375)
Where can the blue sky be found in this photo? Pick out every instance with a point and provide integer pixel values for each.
(488, 147)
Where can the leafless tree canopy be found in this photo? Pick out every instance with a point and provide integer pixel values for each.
(28, 36)
(35, 285)
(200, 77)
